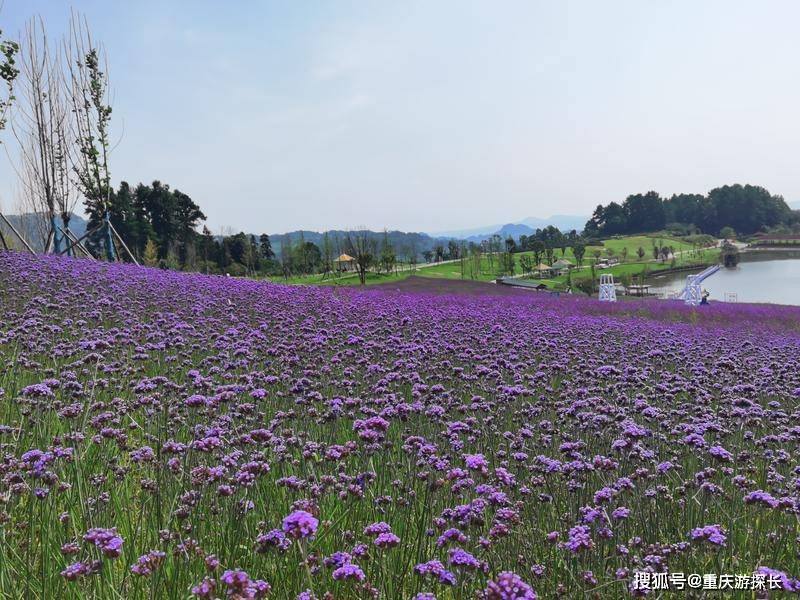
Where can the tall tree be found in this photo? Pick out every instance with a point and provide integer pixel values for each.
(538, 249)
(187, 217)
(361, 246)
(265, 247)
(208, 247)
(645, 212)
(42, 130)
(91, 112)
(387, 255)
(327, 253)
(237, 246)
(578, 251)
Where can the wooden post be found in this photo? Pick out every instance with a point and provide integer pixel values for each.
(85, 235)
(3, 240)
(17, 233)
(50, 237)
(124, 245)
(70, 237)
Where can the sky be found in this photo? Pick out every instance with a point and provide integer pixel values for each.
(431, 116)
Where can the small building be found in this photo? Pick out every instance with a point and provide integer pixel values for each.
(542, 269)
(562, 265)
(344, 264)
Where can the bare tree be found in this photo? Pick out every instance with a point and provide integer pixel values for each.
(361, 246)
(42, 130)
(327, 255)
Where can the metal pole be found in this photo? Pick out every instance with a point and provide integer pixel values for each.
(21, 239)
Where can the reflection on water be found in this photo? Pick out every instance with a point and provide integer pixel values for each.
(762, 276)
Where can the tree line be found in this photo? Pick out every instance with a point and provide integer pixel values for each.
(745, 209)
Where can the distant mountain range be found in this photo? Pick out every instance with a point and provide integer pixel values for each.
(527, 226)
(427, 241)
(30, 227)
(403, 242)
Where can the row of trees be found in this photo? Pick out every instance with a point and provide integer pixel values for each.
(61, 123)
(243, 254)
(155, 217)
(745, 209)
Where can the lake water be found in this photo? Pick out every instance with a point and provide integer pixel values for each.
(762, 276)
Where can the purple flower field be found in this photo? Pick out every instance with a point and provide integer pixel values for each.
(168, 435)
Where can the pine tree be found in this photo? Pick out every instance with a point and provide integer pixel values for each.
(265, 247)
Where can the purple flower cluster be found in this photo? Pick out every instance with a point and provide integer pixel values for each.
(436, 569)
(509, 586)
(147, 563)
(579, 539)
(300, 524)
(349, 571)
(107, 540)
(713, 534)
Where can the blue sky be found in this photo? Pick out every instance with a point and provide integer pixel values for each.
(441, 115)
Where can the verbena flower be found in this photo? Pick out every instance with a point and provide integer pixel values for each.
(711, 533)
(300, 524)
(349, 571)
(109, 542)
(509, 586)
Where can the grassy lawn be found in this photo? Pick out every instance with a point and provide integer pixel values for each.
(489, 269)
(343, 279)
(636, 268)
(634, 242)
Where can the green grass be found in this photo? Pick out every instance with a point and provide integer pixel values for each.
(635, 268)
(489, 267)
(488, 270)
(342, 279)
(634, 242)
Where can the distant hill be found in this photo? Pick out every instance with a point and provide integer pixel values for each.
(794, 205)
(27, 224)
(465, 233)
(564, 223)
(510, 229)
